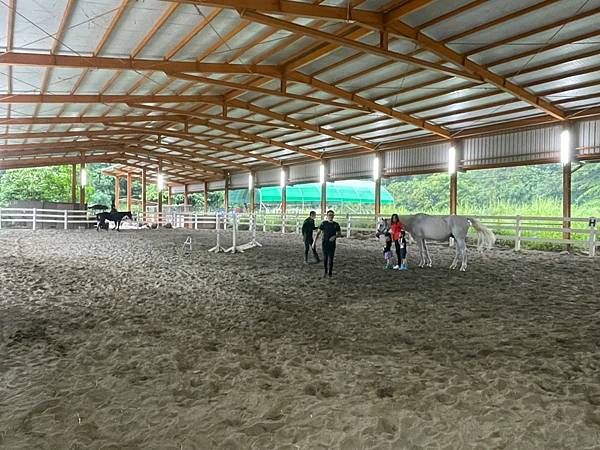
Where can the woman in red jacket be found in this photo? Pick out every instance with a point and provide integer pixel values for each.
(398, 236)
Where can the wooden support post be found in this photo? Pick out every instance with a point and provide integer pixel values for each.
(324, 190)
(186, 192)
(567, 201)
(378, 197)
(74, 183)
(383, 40)
(129, 191)
(82, 190)
(226, 193)
(251, 193)
(117, 192)
(169, 195)
(284, 199)
(205, 197)
(159, 176)
(453, 192)
(144, 194)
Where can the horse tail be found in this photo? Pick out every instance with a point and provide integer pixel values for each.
(486, 237)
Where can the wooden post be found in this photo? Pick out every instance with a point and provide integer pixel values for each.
(205, 197)
(160, 193)
(82, 190)
(453, 192)
(144, 194)
(284, 199)
(324, 192)
(74, 183)
(251, 193)
(567, 201)
(378, 197)
(117, 192)
(226, 193)
(283, 185)
(185, 196)
(129, 191)
(169, 195)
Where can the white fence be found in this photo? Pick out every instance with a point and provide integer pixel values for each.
(34, 218)
(573, 232)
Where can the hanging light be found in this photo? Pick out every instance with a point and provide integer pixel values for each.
(250, 181)
(160, 182)
(322, 173)
(376, 168)
(451, 160)
(565, 147)
(83, 177)
(282, 179)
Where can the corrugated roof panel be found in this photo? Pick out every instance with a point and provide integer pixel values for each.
(459, 105)
(89, 22)
(263, 47)
(552, 71)
(576, 56)
(210, 35)
(566, 82)
(411, 100)
(228, 50)
(95, 80)
(49, 109)
(289, 50)
(132, 28)
(35, 23)
(447, 116)
(540, 39)
(435, 9)
(322, 64)
(27, 79)
(572, 93)
(403, 81)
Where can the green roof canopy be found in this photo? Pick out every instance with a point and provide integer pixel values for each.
(355, 191)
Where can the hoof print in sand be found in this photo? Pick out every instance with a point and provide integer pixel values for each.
(384, 391)
(319, 389)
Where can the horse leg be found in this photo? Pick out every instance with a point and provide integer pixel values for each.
(421, 244)
(456, 254)
(463, 252)
(428, 258)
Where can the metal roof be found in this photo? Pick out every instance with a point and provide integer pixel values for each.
(200, 88)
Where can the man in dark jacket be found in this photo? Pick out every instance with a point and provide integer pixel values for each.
(307, 233)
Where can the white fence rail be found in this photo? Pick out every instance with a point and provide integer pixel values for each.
(573, 232)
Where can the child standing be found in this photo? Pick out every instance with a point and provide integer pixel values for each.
(399, 238)
(386, 239)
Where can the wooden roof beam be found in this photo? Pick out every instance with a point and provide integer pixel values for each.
(402, 10)
(356, 45)
(297, 9)
(84, 98)
(98, 62)
(275, 93)
(45, 162)
(209, 145)
(90, 119)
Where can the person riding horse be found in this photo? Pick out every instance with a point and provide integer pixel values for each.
(113, 216)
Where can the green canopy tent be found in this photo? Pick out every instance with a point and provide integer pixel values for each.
(353, 194)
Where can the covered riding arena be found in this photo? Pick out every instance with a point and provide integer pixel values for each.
(130, 341)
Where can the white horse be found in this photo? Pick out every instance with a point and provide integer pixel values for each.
(441, 228)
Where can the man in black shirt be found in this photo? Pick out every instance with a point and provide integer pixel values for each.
(331, 231)
(307, 233)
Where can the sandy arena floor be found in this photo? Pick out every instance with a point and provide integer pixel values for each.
(119, 341)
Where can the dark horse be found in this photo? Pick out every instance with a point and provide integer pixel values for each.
(113, 216)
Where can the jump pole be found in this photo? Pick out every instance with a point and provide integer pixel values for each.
(253, 243)
(234, 248)
(217, 248)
